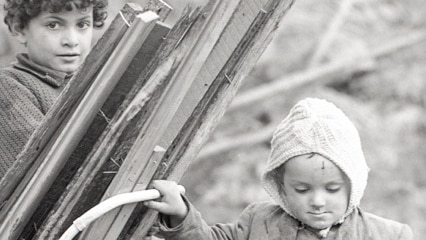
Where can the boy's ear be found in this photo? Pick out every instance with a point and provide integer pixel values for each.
(19, 33)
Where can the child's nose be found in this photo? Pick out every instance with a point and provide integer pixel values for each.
(70, 38)
(317, 201)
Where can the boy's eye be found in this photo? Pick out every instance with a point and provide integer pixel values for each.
(52, 25)
(84, 24)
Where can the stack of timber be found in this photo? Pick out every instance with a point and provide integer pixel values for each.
(140, 108)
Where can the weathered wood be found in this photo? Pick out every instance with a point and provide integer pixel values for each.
(191, 80)
(96, 172)
(54, 157)
(147, 174)
(232, 35)
(90, 182)
(181, 68)
(69, 96)
(215, 102)
(211, 108)
(337, 70)
(158, 6)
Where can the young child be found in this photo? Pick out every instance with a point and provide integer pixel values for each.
(316, 173)
(57, 35)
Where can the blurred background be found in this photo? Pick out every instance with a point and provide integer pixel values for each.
(366, 56)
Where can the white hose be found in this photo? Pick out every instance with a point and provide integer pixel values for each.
(92, 214)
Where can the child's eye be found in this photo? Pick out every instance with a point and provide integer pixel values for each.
(333, 189)
(84, 24)
(301, 190)
(52, 25)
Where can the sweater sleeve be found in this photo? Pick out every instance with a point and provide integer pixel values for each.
(194, 227)
(20, 114)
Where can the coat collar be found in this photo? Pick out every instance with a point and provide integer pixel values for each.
(354, 227)
(50, 76)
(286, 227)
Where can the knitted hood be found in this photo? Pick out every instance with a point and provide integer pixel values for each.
(317, 126)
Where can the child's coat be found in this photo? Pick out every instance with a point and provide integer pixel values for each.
(267, 221)
(312, 126)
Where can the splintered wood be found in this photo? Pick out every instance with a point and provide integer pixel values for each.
(140, 109)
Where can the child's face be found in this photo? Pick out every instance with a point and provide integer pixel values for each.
(59, 41)
(316, 190)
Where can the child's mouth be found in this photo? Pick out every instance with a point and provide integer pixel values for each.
(318, 213)
(69, 56)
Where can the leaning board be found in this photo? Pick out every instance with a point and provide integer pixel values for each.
(157, 125)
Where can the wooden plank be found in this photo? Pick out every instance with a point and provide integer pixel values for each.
(182, 68)
(85, 190)
(95, 173)
(54, 158)
(160, 7)
(69, 96)
(151, 107)
(194, 122)
(213, 105)
(97, 126)
(232, 35)
(215, 102)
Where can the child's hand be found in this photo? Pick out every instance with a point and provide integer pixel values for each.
(171, 202)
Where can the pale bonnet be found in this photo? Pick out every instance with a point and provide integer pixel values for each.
(317, 126)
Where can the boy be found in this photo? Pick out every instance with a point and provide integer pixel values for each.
(316, 173)
(57, 35)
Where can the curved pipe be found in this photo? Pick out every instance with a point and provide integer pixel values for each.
(92, 214)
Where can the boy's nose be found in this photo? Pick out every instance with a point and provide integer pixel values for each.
(70, 39)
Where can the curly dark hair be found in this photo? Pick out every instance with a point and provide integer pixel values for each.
(22, 11)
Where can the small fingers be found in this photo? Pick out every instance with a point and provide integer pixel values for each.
(171, 202)
(163, 207)
(164, 185)
(159, 206)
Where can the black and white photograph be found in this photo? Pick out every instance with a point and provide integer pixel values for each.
(212, 120)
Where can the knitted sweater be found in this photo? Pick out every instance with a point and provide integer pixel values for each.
(27, 91)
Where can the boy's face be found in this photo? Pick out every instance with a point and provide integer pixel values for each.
(316, 190)
(59, 41)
